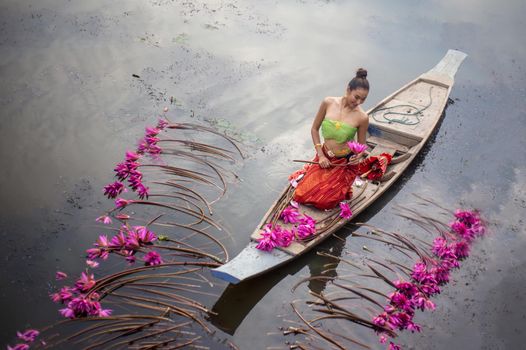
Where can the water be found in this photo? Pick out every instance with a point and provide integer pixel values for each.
(71, 107)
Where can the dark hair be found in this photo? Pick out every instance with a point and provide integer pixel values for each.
(359, 81)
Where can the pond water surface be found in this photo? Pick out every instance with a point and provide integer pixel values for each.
(70, 107)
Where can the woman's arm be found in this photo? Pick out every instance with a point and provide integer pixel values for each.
(315, 133)
(362, 129)
(362, 134)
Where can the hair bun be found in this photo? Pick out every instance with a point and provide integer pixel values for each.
(361, 73)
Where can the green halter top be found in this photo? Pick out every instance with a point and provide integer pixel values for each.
(336, 130)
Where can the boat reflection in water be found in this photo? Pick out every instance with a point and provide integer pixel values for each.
(237, 300)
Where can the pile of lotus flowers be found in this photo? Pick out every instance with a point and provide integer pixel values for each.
(428, 275)
(273, 235)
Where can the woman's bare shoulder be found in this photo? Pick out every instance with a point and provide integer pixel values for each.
(330, 100)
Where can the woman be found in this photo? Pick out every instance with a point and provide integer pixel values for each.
(329, 182)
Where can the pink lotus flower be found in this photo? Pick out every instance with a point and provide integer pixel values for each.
(95, 253)
(285, 238)
(407, 288)
(439, 246)
(105, 312)
(82, 306)
(132, 241)
(151, 140)
(458, 227)
(142, 191)
(441, 276)
(105, 219)
(269, 237)
(28, 335)
(64, 296)
(154, 150)
(381, 320)
(393, 346)
(401, 302)
(145, 236)
(290, 215)
(152, 258)
(130, 258)
(430, 286)
(356, 147)
(102, 241)
(419, 271)
(59, 275)
(20, 346)
(468, 217)
(118, 241)
(121, 203)
(307, 220)
(135, 180)
(122, 170)
(122, 217)
(307, 227)
(161, 124)
(142, 147)
(114, 189)
(92, 264)
(399, 320)
(461, 249)
(305, 230)
(132, 156)
(345, 212)
(472, 221)
(151, 132)
(67, 312)
(413, 327)
(266, 244)
(422, 302)
(85, 282)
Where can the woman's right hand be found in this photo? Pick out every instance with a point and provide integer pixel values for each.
(324, 162)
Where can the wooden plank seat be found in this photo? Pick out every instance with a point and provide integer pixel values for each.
(376, 141)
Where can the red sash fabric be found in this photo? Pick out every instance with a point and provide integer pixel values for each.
(325, 188)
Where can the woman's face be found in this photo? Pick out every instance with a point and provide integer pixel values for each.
(356, 97)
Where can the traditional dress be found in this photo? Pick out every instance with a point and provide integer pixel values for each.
(325, 188)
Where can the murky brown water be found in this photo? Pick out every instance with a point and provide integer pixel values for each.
(70, 108)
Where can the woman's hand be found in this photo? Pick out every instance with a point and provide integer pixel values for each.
(324, 162)
(357, 158)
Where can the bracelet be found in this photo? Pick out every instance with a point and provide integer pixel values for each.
(317, 144)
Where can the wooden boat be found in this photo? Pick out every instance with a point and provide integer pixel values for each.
(399, 125)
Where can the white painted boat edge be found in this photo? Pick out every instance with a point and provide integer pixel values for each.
(250, 262)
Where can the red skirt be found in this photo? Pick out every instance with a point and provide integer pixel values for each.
(325, 188)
